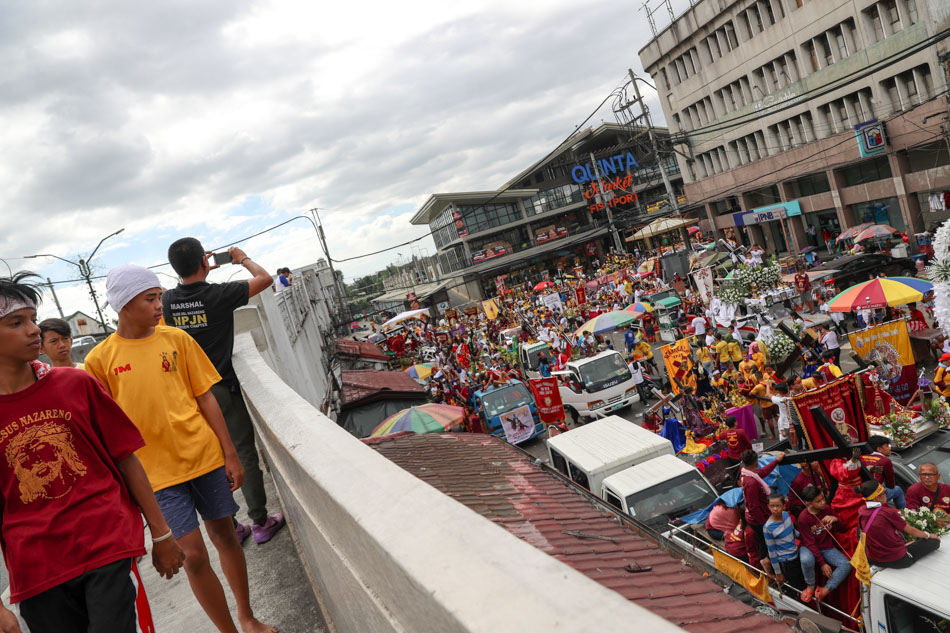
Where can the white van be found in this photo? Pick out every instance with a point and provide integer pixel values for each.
(528, 354)
(658, 491)
(591, 453)
(596, 386)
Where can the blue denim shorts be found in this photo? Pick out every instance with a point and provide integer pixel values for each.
(208, 494)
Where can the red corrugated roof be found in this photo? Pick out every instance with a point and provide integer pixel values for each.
(501, 483)
(362, 384)
(360, 349)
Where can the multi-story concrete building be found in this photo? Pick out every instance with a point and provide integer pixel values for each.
(548, 217)
(766, 97)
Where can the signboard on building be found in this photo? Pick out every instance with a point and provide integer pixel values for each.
(488, 253)
(442, 306)
(619, 163)
(459, 223)
(549, 233)
(769, 213)
(871, 139)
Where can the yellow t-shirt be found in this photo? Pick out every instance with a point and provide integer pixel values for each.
(643, 348)
(735, 351)
(722, 348)
(155, 381)
(702, 354)
(759, 359)
(760, 390)
(746, 368)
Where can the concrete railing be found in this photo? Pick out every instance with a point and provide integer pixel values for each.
(386, 552)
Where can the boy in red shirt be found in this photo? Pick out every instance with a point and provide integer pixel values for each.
(818, 546)
(881, 466)
(737, 442)
(70, 490)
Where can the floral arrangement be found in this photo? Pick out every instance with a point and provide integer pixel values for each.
(733, 293)
(927, 520)
(939, 273)
(897, 425)
(938, 412)
(778, 346)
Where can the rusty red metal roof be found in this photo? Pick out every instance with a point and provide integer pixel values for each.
(360, 349)
(502, 484)
(361, 385)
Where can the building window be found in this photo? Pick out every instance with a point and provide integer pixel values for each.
(555, 198)
(809, 185)
(866, 171)
(910, 7)
(876, 24)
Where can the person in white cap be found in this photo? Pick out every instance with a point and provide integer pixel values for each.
(162, 379)
(72, 491)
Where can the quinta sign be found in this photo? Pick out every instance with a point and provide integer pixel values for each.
(607, 166)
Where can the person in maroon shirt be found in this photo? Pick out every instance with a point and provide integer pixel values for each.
(818, 545)
(807, 477)
(929, 492)
(737, 442)
(884, 528)
(881, 466)
(755, 493)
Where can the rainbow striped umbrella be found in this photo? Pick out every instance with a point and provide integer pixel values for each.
(877, 293)
(607, 322)
(420, 371)
(851, 233)
(426, 418)
(639, 308)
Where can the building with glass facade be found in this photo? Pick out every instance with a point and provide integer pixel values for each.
(550, 218)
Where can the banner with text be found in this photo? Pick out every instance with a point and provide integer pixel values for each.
(518, 424)
(491, 309)
(679, 364)
(889, 346)
(704, 283)
(841, 403)
(548, 400)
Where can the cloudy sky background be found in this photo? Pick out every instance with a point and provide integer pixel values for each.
(220, 118)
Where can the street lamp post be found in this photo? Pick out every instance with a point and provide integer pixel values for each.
(86, 274)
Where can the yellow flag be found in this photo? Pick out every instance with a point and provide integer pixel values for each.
(862, 568)
(491, 309)
(755, 583)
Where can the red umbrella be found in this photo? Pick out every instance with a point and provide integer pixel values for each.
(693, 230)
(544, 285)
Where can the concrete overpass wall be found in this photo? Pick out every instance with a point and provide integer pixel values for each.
(386, 552)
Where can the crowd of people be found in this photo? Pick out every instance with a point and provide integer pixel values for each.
(152, 424)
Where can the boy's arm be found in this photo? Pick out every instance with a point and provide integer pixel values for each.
(212, 413)
(166, 554)
(8, 621)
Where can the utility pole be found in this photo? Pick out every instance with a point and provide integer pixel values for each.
(618, 243)
(55, 298)
(671, 195)
(340, 294)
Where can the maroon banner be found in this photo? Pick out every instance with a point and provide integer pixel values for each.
(581, 295)
(840, 401)
(548, 400)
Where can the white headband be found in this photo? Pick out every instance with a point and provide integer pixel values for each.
(9, 305)
(124, 282)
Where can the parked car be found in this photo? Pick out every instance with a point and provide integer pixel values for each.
(853, 269)
(81, 341)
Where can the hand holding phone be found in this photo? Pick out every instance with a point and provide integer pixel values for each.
(222, 258)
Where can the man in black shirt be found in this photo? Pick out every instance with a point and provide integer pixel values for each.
(206, 311)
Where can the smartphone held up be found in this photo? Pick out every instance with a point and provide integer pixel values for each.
(222, 258)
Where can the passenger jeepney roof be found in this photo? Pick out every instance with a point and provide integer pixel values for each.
(502, 483)
(926, 582)
(608, 442)
(647, 474)
(504, 385)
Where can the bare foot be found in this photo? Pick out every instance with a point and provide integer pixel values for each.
(253, 625)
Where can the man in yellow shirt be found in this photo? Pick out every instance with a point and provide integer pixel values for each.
(763, 393)
(162, 380)
(703, 355)
(747, 367)
(646, 351)
(735, 348)
(721, 348)
(828, 369)
(942, 376)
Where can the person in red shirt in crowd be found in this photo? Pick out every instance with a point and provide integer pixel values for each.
(756, 493)
(807, 477)
(818, 545)
(884, 528)
(929, 492)
(803, 285)
(737, 442)
(917, 320)
(881, 466)
(71, 490)
(741, 542)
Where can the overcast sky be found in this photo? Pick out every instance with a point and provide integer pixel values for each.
(220, 118)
